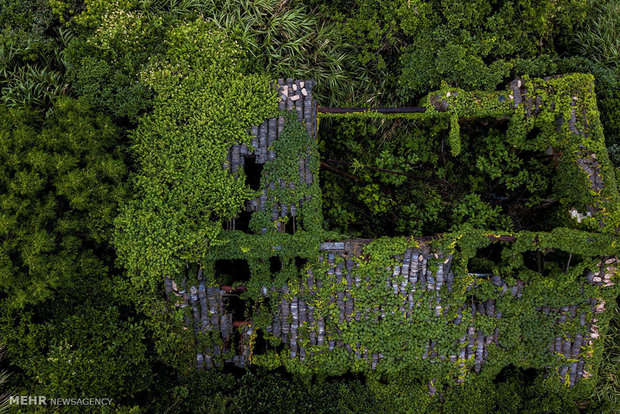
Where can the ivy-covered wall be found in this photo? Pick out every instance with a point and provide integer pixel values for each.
(429, 309)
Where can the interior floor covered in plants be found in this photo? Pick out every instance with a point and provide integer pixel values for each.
(398, 177)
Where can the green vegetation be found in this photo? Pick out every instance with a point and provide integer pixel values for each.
(525, 331)
(115, 120)
(66, 316)
(203, 105)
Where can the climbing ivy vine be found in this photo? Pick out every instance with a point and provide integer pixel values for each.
(566, 254)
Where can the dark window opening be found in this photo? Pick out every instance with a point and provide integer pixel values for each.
(524, 376)
(479, 126)
(241, 222)
(565, 260)
(260, 346)
(533, 260)
(228, 272)
(253, 172)
(290, 226)
(486, 259)
(275, 264)
(532, 134)
(550, 261)
(237, 307)
(300, 263)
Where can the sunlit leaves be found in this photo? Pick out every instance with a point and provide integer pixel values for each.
(204, 105)
(59, 187)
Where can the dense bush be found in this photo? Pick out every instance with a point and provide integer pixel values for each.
(268, 392)
(103, 62)
(61, 186)
(64, 310)
(265, 392)
(203, 105)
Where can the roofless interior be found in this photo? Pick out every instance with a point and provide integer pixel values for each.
(398, 177)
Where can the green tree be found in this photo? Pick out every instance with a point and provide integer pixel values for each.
(204, 104)
(480, 44)
(65, 311)
(60, 184)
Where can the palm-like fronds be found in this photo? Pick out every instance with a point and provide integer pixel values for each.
(600, 37)
(31, 76)
(65, 35)
(608, 388)
(290, 40)
(33, 86)
(183, 8)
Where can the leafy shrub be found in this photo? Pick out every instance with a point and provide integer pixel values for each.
(103, 62)
(478, 45)
(203, 105)
(92, 352)
(475, 212)
(270, 392)
(66, 316)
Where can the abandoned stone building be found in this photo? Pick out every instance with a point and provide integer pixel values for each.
(216, 306)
